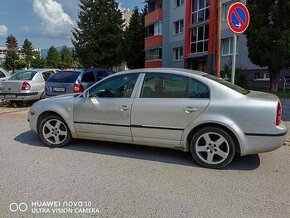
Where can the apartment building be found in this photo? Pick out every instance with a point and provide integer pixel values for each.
(181, 33)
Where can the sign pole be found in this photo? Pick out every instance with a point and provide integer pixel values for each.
(234, 58)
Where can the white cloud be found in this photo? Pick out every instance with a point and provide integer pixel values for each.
(3, 30)
(55, 21)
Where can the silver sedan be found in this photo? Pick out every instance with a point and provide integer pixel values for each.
(173, 108)
(26, 85)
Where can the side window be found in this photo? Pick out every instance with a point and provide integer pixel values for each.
(164, 86)
(101, 75)
(88, 77)
(115, 87)
(2, 75)
(197, 90)
(47, 74)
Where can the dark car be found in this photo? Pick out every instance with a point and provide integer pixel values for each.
(74, 81)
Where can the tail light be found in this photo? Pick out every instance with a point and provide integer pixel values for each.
(25, 86)
(279, 114)
(78, 88)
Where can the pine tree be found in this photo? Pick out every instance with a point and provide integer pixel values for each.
(269, 36)
(27, 48)
(11, 56)
(99, 36)
(11, 42)
(66, 58)
(53, 58)
(134, 41)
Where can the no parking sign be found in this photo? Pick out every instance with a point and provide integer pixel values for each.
(238, 20)
(238, 17)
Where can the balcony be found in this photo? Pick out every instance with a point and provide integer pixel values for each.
(153, 42)
(154, 16)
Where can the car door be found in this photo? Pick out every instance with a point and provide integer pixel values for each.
(167, 103)
(105, 114)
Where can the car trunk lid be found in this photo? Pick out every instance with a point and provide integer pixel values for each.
(55, 88)
(12, 86)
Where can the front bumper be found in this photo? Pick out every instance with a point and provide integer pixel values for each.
(21, 96)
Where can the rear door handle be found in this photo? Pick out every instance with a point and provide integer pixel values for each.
(124, 108)
(190, 110)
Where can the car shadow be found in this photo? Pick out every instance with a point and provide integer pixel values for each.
(163, 155)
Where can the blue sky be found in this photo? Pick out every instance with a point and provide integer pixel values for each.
(44, 22)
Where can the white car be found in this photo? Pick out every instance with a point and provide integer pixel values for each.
(4, 75)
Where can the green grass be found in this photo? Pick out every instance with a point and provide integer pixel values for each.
(281, 93)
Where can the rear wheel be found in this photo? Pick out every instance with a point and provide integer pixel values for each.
(54, 131)
(213, 147)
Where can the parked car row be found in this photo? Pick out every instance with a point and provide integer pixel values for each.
(36, 84)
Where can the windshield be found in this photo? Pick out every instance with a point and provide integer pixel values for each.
(228, 84)
(24, 75)
(64, 77)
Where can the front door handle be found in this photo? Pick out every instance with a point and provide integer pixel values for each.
(190, 110)
(124, 108)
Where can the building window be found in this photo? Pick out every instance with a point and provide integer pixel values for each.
(227, 46)
(153, 54)
(153, 29)
(178, 54)
(178, 27)
(200, 10)
(225, 9)
(199, 39)
(179, 2)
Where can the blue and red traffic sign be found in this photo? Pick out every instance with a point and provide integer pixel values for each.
(238, 17)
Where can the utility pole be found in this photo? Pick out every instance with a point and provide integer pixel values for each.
(218, 23)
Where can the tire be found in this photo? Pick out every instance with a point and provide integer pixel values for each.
(213, 147)
(54, 131)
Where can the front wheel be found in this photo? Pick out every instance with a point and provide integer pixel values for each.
(54, 131)
(213, 147)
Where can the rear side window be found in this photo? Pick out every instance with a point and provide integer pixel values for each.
(164, 86)
(197, 90)
(47, 74)
(24, 75)
(64, 77)
(88, 77)
(2, 75)
(101, 75)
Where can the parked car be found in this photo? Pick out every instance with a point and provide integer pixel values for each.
(4, 75)
(26, 85)
(74, 81)
(173, 108)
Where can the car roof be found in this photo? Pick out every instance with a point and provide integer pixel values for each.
(38, 70)
(95, 68)
(165, 70)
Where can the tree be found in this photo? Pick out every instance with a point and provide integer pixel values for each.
(66, 58)
(10, 59)
(11, 55)
(37, 60)
(99, 36)
(53, 58)
(27, 48)
(269, 36)
(11, 42)
(20, 64)
(134, 41)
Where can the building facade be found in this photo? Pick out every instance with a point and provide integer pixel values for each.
(181, 33)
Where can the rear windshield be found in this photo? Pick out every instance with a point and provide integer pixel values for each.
(228, 84)
(64, 77)
(24, 75)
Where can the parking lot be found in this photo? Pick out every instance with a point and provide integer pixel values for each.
(123, 180)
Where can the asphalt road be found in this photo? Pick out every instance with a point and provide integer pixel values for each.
(135, 181)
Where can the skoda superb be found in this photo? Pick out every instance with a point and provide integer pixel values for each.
(173, 108)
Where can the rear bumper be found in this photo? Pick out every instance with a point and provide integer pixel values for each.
(22, 96)
(260, 143)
